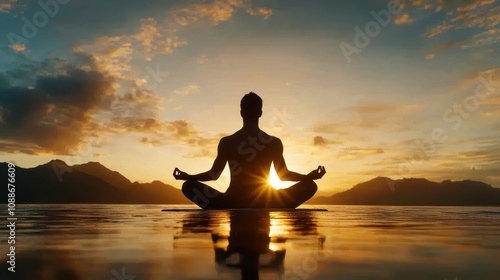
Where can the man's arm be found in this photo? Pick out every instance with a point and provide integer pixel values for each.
(281, 168)
(210, 175)
(287, 175)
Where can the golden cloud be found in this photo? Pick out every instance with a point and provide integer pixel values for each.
(183, 133)
(113, 54)
(6, 7)
(264, 12)
(18, 47)
(403, 19)
(217, 11)
(189, 89)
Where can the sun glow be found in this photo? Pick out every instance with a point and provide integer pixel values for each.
(276, 182)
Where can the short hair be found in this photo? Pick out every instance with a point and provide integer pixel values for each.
(251, 102)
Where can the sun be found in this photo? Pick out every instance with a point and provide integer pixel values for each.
(276, 182)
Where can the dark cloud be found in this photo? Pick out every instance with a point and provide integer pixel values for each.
(25, 72)
(136, 125)
(55, 114)
(320, 141)
(82, 90)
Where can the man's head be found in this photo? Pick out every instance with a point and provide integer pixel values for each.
(251, 106)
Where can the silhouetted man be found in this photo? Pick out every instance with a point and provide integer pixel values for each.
(249, 153)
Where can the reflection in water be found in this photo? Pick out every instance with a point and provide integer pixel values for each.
(256, 239)
(102, 242)
(248, 244)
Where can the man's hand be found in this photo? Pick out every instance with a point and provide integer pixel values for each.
(180, 175)
(317, 173)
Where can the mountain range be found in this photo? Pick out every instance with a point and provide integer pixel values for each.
(415, 191)
(56, 182)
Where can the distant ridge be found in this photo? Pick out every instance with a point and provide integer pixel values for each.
(415, 191)
(96, 169)
(56, 182)
(92, 182)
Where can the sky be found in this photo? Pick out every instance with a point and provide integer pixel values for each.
(401, 89)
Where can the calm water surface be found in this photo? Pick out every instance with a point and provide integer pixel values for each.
(136, 242)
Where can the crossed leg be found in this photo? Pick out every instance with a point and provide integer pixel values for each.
(295, 195)
(207, 197)
(203, 195)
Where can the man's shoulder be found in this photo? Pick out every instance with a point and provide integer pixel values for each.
(272, 139)
(228, 138)
(267, 139)
(265, 136)
(238, 136)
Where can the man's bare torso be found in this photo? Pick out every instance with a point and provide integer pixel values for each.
(249, 155)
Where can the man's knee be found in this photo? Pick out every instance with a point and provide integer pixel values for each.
(193, 190)
(309, 187)
(188, 187)
(313, 187)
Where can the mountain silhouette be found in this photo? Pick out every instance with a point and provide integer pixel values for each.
(56, 182)
(98, 170)
(92, 182)
(415, 191)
